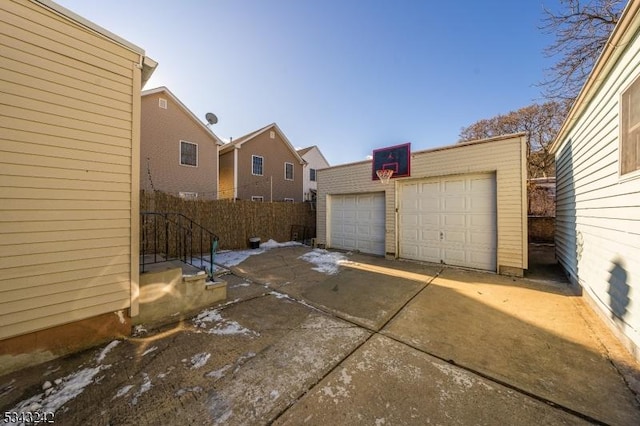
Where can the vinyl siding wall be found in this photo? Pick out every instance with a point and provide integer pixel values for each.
(275, 154)
(69, 111)
(597, 210)
(504, 157)
(314, 160)
(161, 133)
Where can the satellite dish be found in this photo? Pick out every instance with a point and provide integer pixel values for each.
(211, 118)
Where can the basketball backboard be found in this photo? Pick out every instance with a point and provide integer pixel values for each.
(397, 158)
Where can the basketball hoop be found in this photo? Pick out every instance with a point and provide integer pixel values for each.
(384, 175)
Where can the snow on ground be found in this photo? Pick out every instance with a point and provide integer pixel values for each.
(199, 360)
(106, 350)
(228, 258)
(221, 326)
(58, 393)
(326, 262)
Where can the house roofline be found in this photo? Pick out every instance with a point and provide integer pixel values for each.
(309, 149)
(164, 89)
(619, 39)
(236, 144)
(90, 25)
(446, 147)
(146, 65)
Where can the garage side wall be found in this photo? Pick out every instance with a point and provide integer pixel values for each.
(503, 156)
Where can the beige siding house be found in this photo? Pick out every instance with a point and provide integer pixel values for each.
(598, 184)
(69, 181)
(261, 166)
(179, 154)
(462, 205)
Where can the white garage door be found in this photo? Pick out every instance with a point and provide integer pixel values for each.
(449, 220)
(357, 222)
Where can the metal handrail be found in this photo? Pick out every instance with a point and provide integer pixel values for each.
(168, 236)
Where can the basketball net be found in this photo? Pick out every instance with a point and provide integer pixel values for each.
(384, 175)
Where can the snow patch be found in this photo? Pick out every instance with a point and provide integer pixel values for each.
(233, 258)
(199, 360)
(325, 261)
(221, 326)
(106, 350)
(181, 392)
(120, 315)
(219, 373)
(241, 285)
(145, 387)
(148, 351)
(123, 391)
(62, 391)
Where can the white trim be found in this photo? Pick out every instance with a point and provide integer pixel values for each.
(285, 171)
(162, 103)
(257, 198)
(261, 165)
(180, 153)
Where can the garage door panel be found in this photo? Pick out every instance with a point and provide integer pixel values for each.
(454, 220)
(462, 209)
(454, 204)
(358, 222)
(429, 221)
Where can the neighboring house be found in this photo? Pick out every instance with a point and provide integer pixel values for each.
(598, 184)
(314, 161)
(261, 166)
(69, 186)
(178, 153)
(463, 205)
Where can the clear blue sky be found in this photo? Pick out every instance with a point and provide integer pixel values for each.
(346, 75)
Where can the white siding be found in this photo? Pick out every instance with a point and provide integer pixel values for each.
(68, 161)
(314, 160)
(502, 156)
(598, 211)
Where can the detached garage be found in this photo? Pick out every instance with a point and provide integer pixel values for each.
(461, 205)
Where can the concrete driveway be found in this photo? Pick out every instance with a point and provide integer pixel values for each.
(379, 342)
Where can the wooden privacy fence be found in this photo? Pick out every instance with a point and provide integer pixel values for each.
(234, 222)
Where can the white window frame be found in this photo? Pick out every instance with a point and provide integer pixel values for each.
(289, 200)
(313, 175)
(188, 195)
(624, 132)
(162, 103)
(257, 198)
(253, 158)
(180, 153)
(285, 171)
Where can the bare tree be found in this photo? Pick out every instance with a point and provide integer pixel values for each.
(541, 122)
(581, 31)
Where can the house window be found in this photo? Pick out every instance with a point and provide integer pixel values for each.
(188, 154)
(256, 165)
(312, 175)
(272, 135)
(630, 129)
(288, 171)
(289, 200)
(259, 198)
(162, 103)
